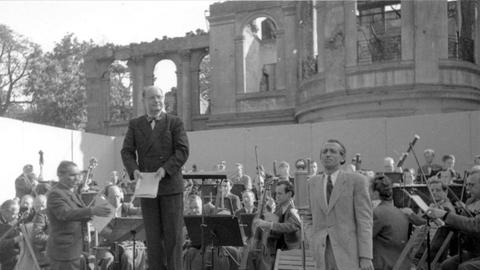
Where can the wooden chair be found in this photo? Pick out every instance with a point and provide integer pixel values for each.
(292, 260)
(416, 239)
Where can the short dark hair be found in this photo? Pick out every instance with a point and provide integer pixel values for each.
(288, 187)
(383, 185)
(63, 167)
(447, 157)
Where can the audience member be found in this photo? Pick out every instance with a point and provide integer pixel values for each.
(26, 182)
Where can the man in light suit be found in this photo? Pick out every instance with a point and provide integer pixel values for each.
(160, 144)
(66, 213)
(341, 233)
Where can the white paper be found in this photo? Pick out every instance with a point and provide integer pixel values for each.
(99, 223)
(147, 186)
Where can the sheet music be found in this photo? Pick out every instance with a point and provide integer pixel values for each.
(99, 223)
(147, 186)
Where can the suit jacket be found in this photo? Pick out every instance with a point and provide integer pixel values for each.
(346, 220)
(9, 249)
(470, 227)
(232, 203)
(165, 146)
(289, 230)
(66, 213)
(390, 235)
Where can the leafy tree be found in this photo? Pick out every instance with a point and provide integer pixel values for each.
(57, 85)
(17, 56)
(205, 84)
(121, 100)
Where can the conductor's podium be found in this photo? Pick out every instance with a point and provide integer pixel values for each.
(292, 260)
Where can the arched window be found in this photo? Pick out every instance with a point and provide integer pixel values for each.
(259, 54)
(204, 85)
(165, 77)
(121, 92)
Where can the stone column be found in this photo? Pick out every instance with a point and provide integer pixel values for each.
(98, 95)
(186, 90)
(350, 33)
(431, 39)
(280, 66)
(408, 30)
(149, 68)
(476, 41)
(321, 35)
(239, 65)
(136, 66)
(335, 47)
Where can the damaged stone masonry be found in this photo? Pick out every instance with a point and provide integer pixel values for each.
(286, 62)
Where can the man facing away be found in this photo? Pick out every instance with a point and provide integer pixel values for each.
(341, 233)
(160, 144)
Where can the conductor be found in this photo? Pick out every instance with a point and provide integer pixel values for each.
(160, 144)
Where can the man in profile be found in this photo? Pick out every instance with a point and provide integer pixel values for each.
(160, 144)
(341, 211)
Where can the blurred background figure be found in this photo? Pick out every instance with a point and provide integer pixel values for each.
(26, 182)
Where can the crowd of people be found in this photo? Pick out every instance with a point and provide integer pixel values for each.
(352, 220)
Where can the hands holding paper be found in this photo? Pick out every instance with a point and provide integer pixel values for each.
(160, 173)
(101, 210)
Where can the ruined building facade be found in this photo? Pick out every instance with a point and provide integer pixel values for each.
(279, 62)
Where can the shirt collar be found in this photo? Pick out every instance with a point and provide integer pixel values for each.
(333, 176)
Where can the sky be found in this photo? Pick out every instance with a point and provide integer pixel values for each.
(117, 22)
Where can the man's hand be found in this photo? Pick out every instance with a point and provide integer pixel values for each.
(262, 224)
(366, 264)
(137, 175)
(407, 211)
(101, 211)
(435, 212)
(161, 173)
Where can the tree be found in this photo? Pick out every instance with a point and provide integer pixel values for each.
(121, 100)
(17, 56)
(205, 84)
(57, 85)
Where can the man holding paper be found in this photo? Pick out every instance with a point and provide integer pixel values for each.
(160, 144)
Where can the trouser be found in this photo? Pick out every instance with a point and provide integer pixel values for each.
(163, 219)
(330, 263)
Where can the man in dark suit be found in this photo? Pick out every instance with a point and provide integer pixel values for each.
(390, 227)
(66, 213)
(160, 143)
(231, 202)
(248, 199)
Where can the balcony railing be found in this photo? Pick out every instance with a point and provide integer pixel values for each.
(379, 49)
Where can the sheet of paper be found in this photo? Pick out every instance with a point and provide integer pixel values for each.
(147, 186)
(99, 223)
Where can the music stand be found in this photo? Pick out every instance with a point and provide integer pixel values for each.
(123, 227)
(218, 231)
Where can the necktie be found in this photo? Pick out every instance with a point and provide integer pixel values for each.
(152, 120)
(329, 187)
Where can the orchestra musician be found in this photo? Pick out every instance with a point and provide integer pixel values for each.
(448, 173)
(157, 142)
(430, 168)
(341, 211)
(26, 182)
(284, 226)
(9, 246)
(469, 226)
(390, 227)
(105, 258)
(231, 202)
(66, 213)
(248, 200)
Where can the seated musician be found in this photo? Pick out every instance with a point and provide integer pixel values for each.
(430, 168)
(105, 258)
(468, 226)
(448, 173)
(26, 182)
(231, 202)
(439, 192)
(26, 207)
(225, 257)
(390, 226)
(284, 172)
(40, 230)
(284, 226)
(248, 200)
(9, 247)
(242, 178)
